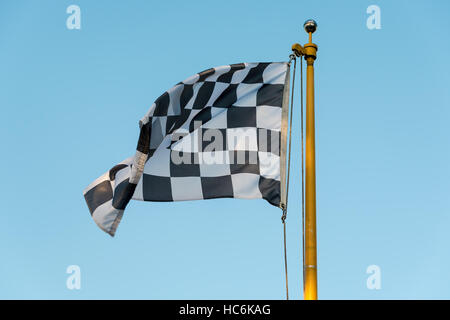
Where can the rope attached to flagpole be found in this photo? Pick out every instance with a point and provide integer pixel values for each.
(292, 57)
(299, 51)
(284, 215)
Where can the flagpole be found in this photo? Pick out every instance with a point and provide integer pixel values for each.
(310, 243)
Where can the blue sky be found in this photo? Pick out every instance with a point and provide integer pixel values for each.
(71, 101)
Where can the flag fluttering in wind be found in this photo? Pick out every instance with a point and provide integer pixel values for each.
(220, 133)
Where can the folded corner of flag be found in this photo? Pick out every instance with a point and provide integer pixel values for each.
(99, 198)
(109, 194)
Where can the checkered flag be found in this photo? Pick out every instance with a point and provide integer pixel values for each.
(218, 134)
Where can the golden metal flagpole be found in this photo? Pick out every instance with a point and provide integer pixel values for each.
(310, 261)
(308, 51)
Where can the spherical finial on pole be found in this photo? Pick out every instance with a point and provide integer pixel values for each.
(310, 26)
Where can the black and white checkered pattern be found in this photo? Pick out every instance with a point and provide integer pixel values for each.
(192, 138)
